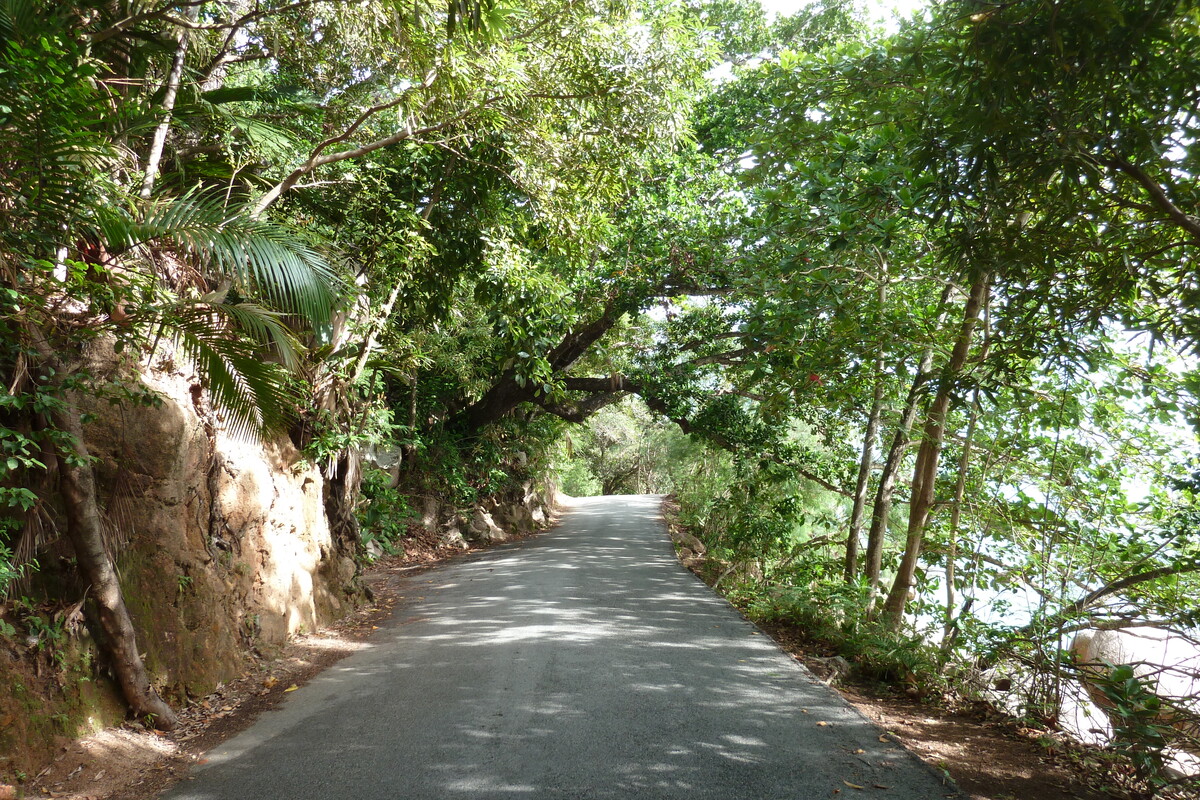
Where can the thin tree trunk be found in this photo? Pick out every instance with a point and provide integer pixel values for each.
(409, 450)
(174, 78)
(360, 363)
(886, 490)
(929, 455)
(77, 482)
(850, 571)
(389, 305)
(960, 488)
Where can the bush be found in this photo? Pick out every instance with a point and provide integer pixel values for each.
(384, 512)
(832, 614)
(577, 480)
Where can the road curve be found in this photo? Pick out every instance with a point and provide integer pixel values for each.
(582, 663)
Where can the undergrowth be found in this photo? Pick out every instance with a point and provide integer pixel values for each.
(384, 512)
(830, 615)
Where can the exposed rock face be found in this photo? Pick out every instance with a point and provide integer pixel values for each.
(452, 537)
(483, 527)
(221, 540)
(223, 545)
(690, 550)
(496, 520)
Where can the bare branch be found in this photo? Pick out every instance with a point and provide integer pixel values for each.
(160, 13)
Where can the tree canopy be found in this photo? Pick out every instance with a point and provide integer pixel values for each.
(921, 301)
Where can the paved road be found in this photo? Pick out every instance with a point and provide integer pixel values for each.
(584, 663)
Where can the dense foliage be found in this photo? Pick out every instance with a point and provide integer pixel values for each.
(911, 315)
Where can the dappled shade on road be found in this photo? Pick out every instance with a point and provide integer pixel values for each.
(582, 663)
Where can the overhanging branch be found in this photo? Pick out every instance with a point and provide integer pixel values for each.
(622, 384)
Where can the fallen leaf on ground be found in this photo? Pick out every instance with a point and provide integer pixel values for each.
(8, 792)
(853, 785)
(823, 724)
(292, 688)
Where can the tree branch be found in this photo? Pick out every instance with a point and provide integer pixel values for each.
(1158, 195)
(1128, 582)
(317, 159)
(121, 25)
(580, 412)
(729, 357)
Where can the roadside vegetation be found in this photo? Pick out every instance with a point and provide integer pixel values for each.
(910, 315)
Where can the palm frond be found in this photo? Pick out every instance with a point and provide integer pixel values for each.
(264, 327)
(296, 96)
(256, 393)
(264, 259)
(51, 157)
(18, 15)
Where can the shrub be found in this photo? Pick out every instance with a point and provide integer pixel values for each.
(384, 512)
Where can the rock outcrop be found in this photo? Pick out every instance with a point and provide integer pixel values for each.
(221, 539)
(497, 519)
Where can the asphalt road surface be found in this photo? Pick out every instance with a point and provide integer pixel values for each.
(582, 663)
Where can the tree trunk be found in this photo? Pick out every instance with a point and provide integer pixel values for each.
(929, 455)
(850, 571)
(960, 487)
(864, 476)
(342, 485)
(77, 482)
(886, 490)
(170, 92)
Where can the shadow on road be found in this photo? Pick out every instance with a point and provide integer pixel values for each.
(582, 663)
